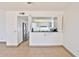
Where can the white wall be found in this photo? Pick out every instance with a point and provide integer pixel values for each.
(71, 29)
(13, 28)
(2, 26)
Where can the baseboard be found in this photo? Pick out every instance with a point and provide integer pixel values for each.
(43, 46)
(19, 43)
(2, 41)
(53, 46)
(68, 51)
(11, 44)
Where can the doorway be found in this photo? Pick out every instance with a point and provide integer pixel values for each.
(22, 28)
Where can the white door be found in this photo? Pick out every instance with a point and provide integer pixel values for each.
(11, 22)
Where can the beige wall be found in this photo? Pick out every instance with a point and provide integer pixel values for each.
(71, 28)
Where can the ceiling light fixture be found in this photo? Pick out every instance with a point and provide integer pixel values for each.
(29, 2)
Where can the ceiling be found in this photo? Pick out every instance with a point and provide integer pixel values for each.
(34, 6)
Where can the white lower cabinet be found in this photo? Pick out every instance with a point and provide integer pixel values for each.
(45, 39)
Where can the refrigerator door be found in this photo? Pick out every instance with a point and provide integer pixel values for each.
(24, 31)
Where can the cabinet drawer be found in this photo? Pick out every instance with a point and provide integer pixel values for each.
(53, 35)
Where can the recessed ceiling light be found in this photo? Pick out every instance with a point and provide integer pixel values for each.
(29, 2)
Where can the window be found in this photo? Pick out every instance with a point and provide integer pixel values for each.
(44, 24)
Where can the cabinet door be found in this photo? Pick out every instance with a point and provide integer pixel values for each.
(11, 28)
(36, 38)
(53, 38)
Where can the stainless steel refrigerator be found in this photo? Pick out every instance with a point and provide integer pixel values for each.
(24, 27)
